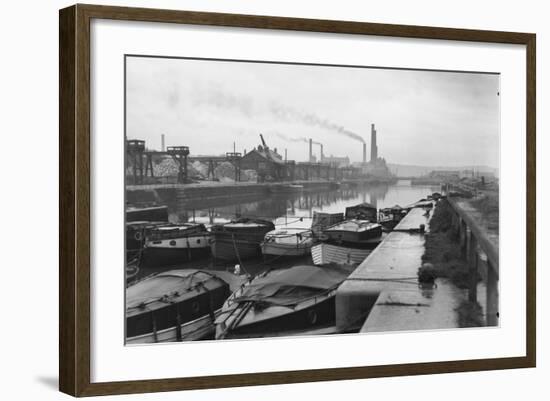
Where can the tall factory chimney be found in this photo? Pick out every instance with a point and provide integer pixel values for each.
(373, 145)
(162, 147)
(322, 155)
(310, 150)
(364, 152)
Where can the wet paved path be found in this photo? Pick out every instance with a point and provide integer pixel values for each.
(386, 281)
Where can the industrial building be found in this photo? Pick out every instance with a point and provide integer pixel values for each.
(265, 161)
(338, 161)
(376, 167)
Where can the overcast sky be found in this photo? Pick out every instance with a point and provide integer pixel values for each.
(422, 117)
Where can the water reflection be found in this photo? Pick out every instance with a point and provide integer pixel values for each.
(297, 209)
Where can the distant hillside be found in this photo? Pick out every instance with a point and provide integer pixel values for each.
(409, 170)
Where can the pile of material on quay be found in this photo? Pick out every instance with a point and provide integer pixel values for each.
(442, 258)
(166, 166)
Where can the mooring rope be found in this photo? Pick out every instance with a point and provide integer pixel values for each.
(237, 253)
(403, 280)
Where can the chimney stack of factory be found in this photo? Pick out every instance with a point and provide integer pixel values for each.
(364, 152)
(310, 150)
(322, 154)
(162, 147)
(373, 145)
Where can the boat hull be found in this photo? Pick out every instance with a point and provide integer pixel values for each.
(275, 249)
(198, 329)
(161, 256)
(154, 213)
(372, 236)
(319, 314)
(175, 250)
(325, 253)
(204, 303)
(233, 250)
(238, 240)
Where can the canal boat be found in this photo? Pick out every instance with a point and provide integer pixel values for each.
(322, 220)
(389, 217)
(239, 239)
(362, 211)
(358, 233)
(287, 242)
(348, 242)
(151, 213)
(132, 270)
(177, 305)
(136, 232)
(174, 244)
(276, 302)
(325, 253)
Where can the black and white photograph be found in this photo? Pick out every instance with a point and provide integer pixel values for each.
(271, 199)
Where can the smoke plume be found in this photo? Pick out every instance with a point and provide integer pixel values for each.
(295, 139)
(220, 99)
(287, 113)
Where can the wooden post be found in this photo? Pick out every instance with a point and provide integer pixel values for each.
(155, 336)
(463, 238)
(185, 168)
(178, 323)
(492, 296)
(149, 165)
(134, 168)
(472, 260)
(141, 168)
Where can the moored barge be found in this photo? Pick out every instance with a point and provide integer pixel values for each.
(287, 242)
(239, 239)
(300, 298)
(176, 305)
(174, 244)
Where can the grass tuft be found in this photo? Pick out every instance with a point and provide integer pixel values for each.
(469, 314)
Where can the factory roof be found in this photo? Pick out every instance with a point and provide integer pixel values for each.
(268, 154)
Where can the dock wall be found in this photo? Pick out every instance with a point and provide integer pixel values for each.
(482, 257)
(165, 193)
(383, 293)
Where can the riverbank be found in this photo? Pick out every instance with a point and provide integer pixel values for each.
(443, 253)
(166, 193)
(484, 208)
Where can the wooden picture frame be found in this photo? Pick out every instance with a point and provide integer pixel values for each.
(74, 203)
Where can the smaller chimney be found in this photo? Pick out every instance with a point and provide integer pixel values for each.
(322, 155)
(310, 150)
(364, 152)
(285, 155)
(162, 147)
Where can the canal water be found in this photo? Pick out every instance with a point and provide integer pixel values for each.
(286, 210)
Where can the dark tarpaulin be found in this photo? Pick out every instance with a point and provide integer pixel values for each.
(288, 287)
